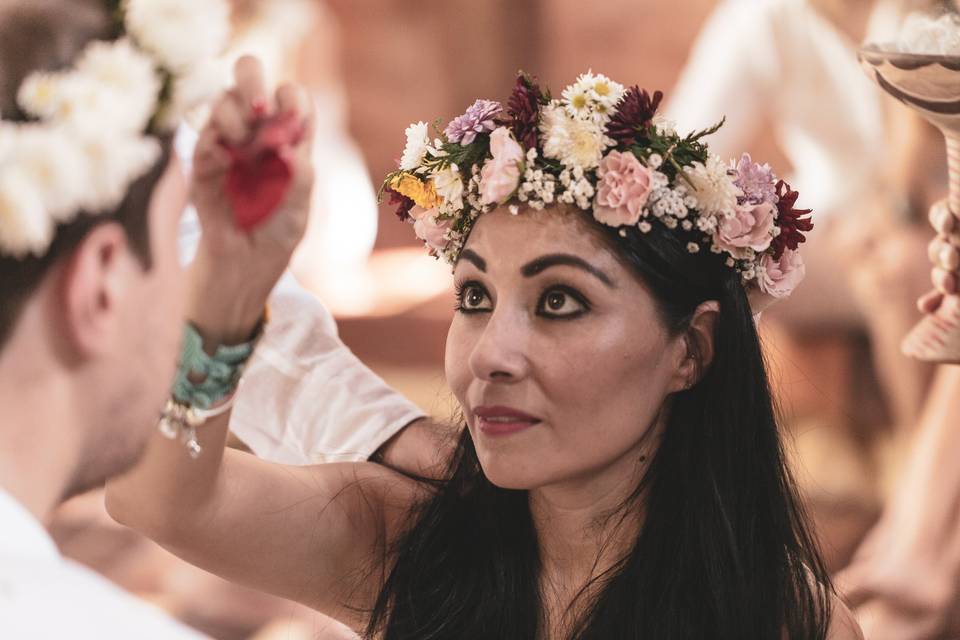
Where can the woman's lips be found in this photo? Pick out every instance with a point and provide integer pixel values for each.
(501, 421)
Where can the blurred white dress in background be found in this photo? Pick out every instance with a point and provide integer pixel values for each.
(779, 63)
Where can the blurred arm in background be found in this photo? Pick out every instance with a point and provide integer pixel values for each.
(904, 582)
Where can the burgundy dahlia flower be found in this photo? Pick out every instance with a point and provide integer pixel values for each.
(523, 109)
(634, 112)
(792, 222)
(403, 203)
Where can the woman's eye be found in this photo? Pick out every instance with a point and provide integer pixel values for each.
(473, 297)
(560, 303)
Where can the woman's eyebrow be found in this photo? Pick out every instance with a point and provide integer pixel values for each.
(471, 256)
(543, 263)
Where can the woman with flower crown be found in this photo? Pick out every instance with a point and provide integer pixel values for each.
(617, 471)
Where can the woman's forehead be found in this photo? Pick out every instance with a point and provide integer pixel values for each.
(507, 238)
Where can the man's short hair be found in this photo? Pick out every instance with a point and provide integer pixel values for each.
(48, 35)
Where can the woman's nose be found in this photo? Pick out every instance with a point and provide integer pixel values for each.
(500, 353)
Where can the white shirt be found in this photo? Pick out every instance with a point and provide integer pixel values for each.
(780, 60)
(45, 596)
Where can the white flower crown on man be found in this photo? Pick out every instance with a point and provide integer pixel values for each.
(602, 148)
(90, 139)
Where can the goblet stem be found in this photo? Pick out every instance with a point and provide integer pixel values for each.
(953, 167)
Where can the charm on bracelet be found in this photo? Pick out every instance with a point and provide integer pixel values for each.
(205, 385)
(179, 421)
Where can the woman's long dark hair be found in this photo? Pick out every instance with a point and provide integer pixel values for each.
(724, 551)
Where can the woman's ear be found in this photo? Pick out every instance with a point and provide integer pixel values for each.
(699, 341)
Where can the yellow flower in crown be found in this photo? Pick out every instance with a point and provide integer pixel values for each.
(422, 193)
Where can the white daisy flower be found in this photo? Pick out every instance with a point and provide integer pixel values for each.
(575, 143)
(592, 97)
(605, 91)
(418, 143)
(577, 98)
(713, 188)
(449, 185)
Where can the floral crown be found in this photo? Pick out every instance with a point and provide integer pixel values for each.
(90, 137)
(602, 148)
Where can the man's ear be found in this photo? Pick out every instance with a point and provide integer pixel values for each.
(699, 342)
(96, 277)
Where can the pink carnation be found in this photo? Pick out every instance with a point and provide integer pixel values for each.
(500, 175)
(780, 277)
(622, 191)
(749, 227)
(431, 230)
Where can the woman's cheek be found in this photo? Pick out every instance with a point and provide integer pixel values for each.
(456, 360)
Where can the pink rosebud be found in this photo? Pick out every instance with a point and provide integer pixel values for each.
(622, 191)
(432, 231)
(749, 227)
(780, 277)
(500, 175)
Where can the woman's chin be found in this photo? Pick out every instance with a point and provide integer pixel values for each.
(511, 474)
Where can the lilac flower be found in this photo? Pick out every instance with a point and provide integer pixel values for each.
(479, 118)
(757, 181)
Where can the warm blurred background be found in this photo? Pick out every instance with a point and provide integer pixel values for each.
(375, 66)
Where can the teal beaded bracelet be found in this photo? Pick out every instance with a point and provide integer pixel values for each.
(204, 380)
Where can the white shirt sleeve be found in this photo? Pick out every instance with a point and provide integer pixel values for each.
(305, 397)
(731, 72)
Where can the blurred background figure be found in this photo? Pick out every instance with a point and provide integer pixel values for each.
(902, 579)
(786, 71)
(785, 74)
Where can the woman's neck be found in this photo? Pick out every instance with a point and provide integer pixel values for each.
(584, 527)
(574, 527)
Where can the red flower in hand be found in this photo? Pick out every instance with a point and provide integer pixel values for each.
(792, 222)
(262, 169)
